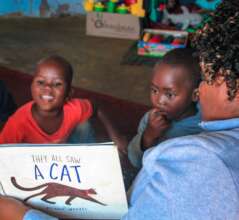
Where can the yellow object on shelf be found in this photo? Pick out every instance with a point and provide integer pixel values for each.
(89, 5)
(137, 9)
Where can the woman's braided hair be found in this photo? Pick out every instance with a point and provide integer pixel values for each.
(218, 46)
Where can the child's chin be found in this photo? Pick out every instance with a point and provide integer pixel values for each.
(47, 109)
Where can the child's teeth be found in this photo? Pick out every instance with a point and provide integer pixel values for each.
(47, 97)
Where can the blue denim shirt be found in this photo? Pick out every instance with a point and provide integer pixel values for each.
(194, 177)
(34, 214)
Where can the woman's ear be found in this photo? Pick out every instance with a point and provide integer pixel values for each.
(195, 95)
(237, 97)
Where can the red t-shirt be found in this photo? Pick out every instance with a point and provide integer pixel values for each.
(22, 128)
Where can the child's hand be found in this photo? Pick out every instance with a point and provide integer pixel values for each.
(158, 124)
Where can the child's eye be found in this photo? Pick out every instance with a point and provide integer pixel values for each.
(153, 90)
(57, 84)
(170, 95)
(40, 82)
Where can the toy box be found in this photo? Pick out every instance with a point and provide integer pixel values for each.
(155, 43)
(114, 25)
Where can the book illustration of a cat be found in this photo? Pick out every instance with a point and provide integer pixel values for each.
(51, 190)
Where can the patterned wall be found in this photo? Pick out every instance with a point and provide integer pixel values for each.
(41, 8)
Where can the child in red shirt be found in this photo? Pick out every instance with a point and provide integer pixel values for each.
(52, 115)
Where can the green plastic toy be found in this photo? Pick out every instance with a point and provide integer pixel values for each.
(122, 9)
(99, 7)
(111, 5)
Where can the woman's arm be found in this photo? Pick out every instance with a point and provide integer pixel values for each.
(12, 209)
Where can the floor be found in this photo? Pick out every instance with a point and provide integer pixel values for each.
(96, 61)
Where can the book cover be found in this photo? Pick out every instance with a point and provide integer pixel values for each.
(67, 181)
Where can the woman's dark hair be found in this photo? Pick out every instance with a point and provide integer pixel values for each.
(218, 46)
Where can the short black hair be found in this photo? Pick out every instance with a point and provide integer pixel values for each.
(218, 46)
(186, 58)
(64, 64)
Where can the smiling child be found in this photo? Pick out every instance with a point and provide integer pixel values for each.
(52, 115)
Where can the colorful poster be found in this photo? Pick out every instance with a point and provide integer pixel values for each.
(67, 181)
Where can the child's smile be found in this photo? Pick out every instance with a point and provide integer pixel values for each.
(46, 100)
(47, 97)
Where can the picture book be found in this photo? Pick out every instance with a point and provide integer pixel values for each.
(67, 181)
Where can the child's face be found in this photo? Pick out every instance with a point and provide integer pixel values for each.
(171, 91)
(49, 87)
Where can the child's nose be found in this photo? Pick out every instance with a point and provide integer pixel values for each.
(161, 100)
(48, 86)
